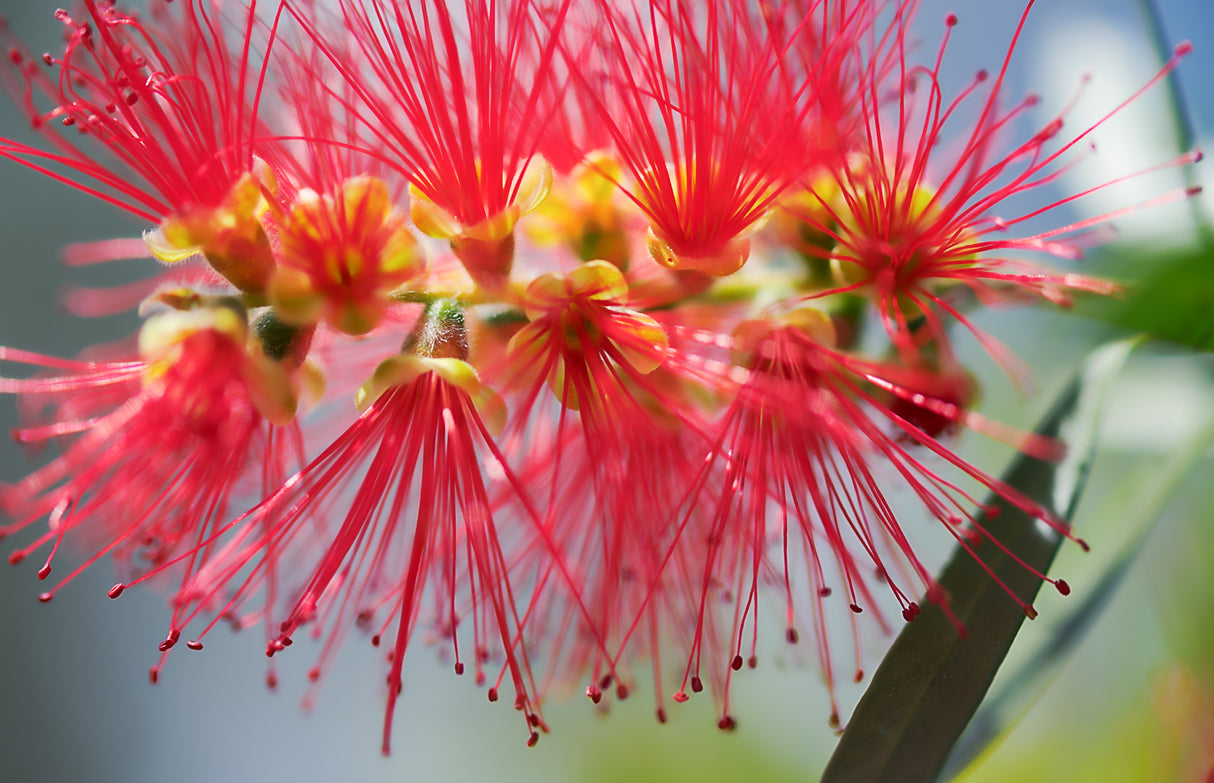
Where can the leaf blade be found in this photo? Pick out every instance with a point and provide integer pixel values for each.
(932, 681)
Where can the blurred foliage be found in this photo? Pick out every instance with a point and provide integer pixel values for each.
(1165, 730)
(1170, 298)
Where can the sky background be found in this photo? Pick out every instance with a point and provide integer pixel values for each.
(75, 703)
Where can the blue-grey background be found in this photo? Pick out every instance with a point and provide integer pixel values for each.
(75, 703)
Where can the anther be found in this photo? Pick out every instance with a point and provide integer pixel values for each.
(594, 694)
(459, 667)
(697, 685)
(314, 674)
(661, 715)
(170, 640)
(194, 645)
(792, 636)
(493, 694)
(46, 597)
(727, 724)
(736, 663)
(116, 590)
(1063, 587)
(45, 571)
(681, 697)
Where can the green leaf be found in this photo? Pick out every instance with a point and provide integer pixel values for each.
(1138, 505)
(932, 680)
(1174, 301)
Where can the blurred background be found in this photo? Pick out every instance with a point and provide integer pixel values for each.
(1133, 701)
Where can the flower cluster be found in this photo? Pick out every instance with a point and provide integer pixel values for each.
(596, 276)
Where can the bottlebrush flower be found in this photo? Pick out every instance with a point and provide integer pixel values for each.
(608, 461)
(912, 214)
(342, 256)
(794, 484)
(166, 115)
(684, 432)
(343, 245)
(708, 112)
(157, 446)
(419, 529)
(587, 213)
(456, 100)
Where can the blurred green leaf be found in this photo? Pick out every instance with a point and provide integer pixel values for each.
(932, 681)
(1175, 302)
(1172, 301)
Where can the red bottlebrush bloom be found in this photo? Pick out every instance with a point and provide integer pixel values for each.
(687, 432)
(158, 446)
(171, 100)
(913, 211)
(419, 531)
(343, 246)
(456, 100)
(607, 461)
(165, 118)
(794, 481)
(708, 115)
(342, 255)
(584, 340)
